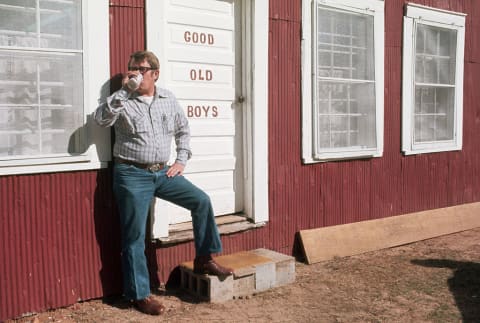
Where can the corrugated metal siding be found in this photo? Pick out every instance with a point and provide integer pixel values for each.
(59, 233)
(127, 3)
(127, 34)
(350, 191)
(285, 126)
(50, 250)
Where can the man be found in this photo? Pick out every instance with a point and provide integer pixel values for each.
(145, 119)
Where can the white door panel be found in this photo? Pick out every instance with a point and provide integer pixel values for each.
(203, 92)
(209, 146)
(197, 55)
(200, 63)
(211, 111)
(209, 164)
(199, 37)
(223, 7)
(212, 129)
(223, 180)
(209, 19)
(201, 74)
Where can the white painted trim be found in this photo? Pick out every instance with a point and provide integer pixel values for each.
(420, 12)
(95, 17)
(259, 208)
(156, 27)
(306, 79)
(371, 7)
(355, 5)
(417, 14)
(53, 168)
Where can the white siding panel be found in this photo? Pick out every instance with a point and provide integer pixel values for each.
(203, 92)
(189, 36)
(209, 164)
(211, 109)
(224, 7)
(204, 146)
(207, 75)
(201, 20)
(214, 128)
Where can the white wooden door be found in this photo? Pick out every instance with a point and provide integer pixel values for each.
(200, 54)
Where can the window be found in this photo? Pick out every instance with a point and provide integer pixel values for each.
(46, 90)
(432, 80)
(342, 81)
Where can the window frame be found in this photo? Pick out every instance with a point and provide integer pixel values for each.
(371, 7)
(96, 73)
(414, 15)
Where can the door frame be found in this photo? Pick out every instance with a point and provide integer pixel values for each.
(255, 115)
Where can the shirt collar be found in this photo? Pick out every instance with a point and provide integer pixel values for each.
(162, 93)
(159, 92)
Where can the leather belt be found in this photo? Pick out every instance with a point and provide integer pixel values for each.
(150, 167)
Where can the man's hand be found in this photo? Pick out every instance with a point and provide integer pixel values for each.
(175, 169)
(126, 77)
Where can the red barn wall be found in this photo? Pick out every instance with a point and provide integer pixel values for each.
(59, 233)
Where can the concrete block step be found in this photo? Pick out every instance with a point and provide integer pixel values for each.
(253, 271)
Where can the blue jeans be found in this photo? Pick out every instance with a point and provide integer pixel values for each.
(134, 189)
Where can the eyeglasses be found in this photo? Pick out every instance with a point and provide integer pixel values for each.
(142, 69)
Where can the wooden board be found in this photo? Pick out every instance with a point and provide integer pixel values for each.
(355, 238)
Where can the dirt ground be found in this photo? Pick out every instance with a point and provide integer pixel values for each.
(436, 280)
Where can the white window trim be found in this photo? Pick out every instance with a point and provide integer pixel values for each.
(95, 21)
(375, 8)
(256, 104)
(441, 18)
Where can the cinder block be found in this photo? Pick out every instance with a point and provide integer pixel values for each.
(265, 276)
(244, 286)
(220, 290)
(285, 271)
(254, 271)
(285, 266)
(245, 271)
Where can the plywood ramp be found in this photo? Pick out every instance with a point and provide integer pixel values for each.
(355, 238)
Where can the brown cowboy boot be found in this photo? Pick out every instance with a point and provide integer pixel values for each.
(206, 265)
(149, 305)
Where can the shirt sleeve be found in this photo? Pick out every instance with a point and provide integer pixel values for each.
(182, 136)
(107, 113)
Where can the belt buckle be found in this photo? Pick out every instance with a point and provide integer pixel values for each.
(155, 168)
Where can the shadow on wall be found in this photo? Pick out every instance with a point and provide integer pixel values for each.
(107, 224)
(85, 136)
(464, 285)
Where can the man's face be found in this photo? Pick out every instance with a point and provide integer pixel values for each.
(147, 87)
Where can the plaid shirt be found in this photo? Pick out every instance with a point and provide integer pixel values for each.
(143, 131)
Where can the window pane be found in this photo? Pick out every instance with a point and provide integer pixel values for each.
(345, 115)
(434, 114)
(60, 24)
(19, 129)
(17, 23)
(53, 24)
(41, 102)
(345, 110)
(435, 55)
(344, 45)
